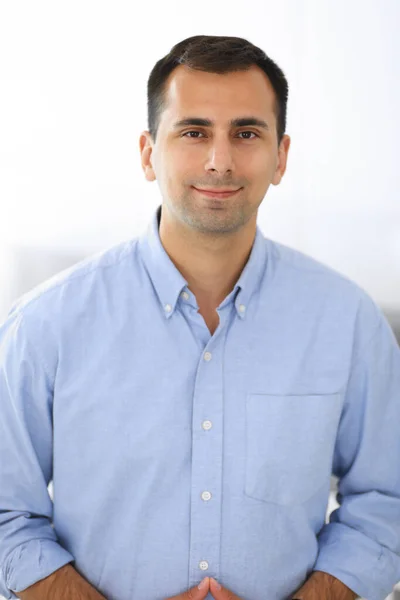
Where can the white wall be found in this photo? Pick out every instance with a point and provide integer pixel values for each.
(73, 104)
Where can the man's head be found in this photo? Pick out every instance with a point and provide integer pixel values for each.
(225, 82)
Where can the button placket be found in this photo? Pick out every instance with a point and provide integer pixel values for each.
(207, 460)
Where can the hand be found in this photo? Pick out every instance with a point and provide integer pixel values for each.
(193, 593)
(223, 593)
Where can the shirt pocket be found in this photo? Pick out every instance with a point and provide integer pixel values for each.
(289, 445)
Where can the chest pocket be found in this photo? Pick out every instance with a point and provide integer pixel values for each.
(289, 445)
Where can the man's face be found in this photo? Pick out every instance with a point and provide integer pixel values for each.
(219, 155)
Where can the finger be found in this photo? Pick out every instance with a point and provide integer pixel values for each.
(194, 593)
(223, 593)
(198, 592)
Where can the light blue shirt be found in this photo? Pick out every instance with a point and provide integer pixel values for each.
(177, 454)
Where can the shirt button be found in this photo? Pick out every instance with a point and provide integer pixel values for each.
(168, 307)
(185, 295)
(207, 425)
(242, 307)
(203, 564)
(207, 355)
(206, 496)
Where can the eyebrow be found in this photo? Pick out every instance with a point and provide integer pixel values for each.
(240, 122)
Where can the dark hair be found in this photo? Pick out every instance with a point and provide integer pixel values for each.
(214, 54)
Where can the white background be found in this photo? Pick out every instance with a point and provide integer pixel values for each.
(73, 104)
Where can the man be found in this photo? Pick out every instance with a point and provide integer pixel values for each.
(191, 391)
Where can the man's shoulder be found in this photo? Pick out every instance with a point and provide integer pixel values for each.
(297, 259)
(309, 268)
(75, 280)
(310, 278)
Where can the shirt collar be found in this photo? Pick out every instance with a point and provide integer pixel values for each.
(170, 284)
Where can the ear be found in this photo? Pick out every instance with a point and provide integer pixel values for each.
(283, 152)
(146, 149)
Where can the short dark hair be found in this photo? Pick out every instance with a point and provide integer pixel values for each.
(214, 54)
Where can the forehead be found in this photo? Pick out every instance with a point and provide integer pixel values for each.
(191, 92)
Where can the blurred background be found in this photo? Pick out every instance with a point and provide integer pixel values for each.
(73, 82)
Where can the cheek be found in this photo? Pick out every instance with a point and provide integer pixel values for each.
(264, 171)
(173, 178)
(180, 172)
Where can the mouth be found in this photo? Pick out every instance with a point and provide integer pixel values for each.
(216, 193)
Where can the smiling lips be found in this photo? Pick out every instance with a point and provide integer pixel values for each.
(217, 193)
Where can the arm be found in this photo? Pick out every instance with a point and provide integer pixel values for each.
(29, 548)
(360, 545)
(322, 586)
(64, 584)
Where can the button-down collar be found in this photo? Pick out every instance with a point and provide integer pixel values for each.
(169, 282)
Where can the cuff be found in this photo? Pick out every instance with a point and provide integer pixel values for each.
(31, 561)
(366, 567)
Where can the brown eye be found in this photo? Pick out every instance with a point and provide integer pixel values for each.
(186, 134)
(248, 132)
(195, 137)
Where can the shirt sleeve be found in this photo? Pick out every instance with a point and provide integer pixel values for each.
(361, 543)
(29, 549)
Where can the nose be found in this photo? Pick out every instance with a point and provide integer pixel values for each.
(220, 157)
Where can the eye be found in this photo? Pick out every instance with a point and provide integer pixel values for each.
(186, 134)
(249, 132)
(241, 132)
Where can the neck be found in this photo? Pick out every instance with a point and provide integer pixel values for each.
(211, 264)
